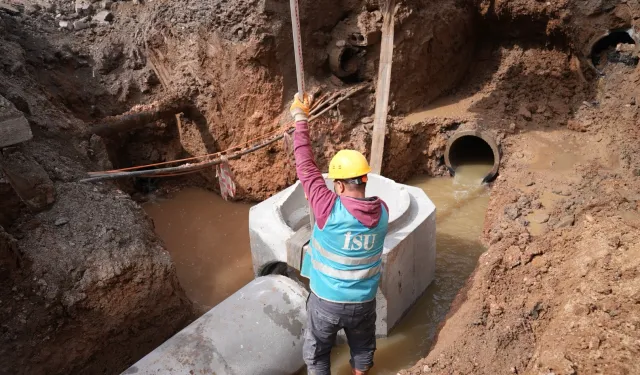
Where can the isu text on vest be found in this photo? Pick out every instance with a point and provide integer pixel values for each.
(359, 241)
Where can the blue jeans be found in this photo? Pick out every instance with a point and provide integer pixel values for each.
(325, 319)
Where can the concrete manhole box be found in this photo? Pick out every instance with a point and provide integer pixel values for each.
(408, 260)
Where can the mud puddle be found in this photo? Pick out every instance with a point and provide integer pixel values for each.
(208, 240)
(555, 155)
(461, 205)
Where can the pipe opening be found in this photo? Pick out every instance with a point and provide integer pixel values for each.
(274, 268)
(472, 148)
(349, 61)
(345, 63)
(356, 38)
(617, 46)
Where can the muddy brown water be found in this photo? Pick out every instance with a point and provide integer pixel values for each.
(208, 240)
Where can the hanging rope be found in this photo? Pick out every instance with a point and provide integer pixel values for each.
(232, 153)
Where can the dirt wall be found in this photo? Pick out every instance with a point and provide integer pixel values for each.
(555, 291)
(240, 75)
(86, 286)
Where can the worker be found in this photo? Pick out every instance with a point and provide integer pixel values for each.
(346, 244)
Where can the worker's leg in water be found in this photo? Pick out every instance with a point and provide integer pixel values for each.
(361, 335)
(319, 337)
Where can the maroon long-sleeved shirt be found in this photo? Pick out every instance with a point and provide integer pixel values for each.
(366, 211)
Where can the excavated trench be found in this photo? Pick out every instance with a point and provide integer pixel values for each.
(472, 156)
(208, 240)
(235, 92)
(208, 237)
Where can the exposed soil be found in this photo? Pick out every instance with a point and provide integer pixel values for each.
(88, 288)
(556, 292)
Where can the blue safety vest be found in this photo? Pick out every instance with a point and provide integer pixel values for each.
(346, 257)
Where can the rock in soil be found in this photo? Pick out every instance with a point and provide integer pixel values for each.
(80, 25)
(103, 16)
(565, 221)
(9, 9)
(512, 257)
(511, 212)
(28, 179)
(83, 7)
(525, 113)
(61, 221)
(565, 192)
(540, 218)
(65, 25)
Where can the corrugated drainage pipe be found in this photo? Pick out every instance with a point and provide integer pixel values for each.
(472, 146)
(258, 330)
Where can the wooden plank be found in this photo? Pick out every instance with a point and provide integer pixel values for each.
(382, 89)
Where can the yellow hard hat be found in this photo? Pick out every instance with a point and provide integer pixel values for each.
(348, 164)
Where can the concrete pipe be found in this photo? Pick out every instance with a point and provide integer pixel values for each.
(611, 39)
(258, 330)
(472, 147)
(365, 39)
(344, 61)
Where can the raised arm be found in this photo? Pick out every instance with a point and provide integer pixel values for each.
(320, 197)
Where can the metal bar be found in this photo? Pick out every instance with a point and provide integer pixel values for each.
(297, 45)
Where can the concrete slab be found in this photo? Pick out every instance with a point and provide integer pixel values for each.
(410, 246)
